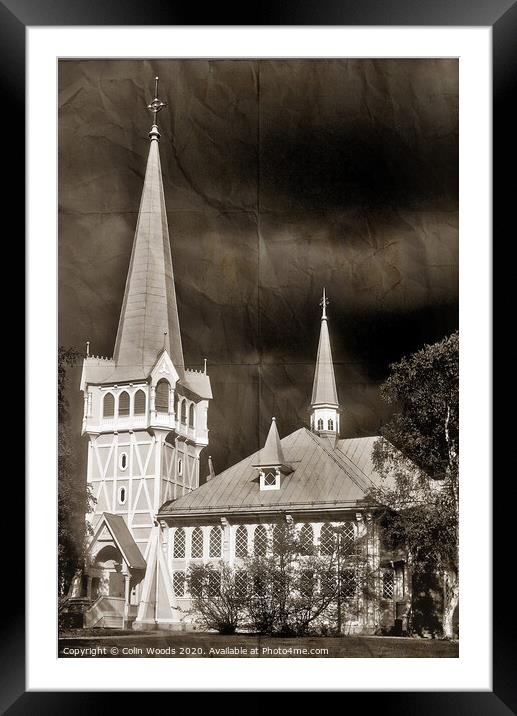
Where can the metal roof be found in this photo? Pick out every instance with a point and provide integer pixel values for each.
(322, 477)
(124, 540)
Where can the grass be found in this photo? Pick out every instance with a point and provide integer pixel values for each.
(112, 643)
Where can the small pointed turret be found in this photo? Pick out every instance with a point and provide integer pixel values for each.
(324, 403)
(270, 460)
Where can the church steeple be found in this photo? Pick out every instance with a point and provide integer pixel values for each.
(149, 320)
(324, 402)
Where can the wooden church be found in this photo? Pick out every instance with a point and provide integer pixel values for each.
(145, 416)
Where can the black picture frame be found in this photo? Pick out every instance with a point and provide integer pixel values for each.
(501, 15)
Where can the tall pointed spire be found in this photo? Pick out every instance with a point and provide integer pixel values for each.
(149, 319)
(324, 390)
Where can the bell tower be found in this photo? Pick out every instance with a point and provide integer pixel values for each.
(145, 414)
(325, 412)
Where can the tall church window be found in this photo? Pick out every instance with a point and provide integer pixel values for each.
(306, 537)
(178, 584)
(196, 551)
(241, 542)
(184, 412)
(108, 406)
(260, 541)
(215, 542)
(179, 544)
(327, 539)
(320, 424)
(139, 403)
(123, 404)
(330, 424)
(161, 400)
(191, 415)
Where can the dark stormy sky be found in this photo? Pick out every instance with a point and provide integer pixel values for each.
(280, 177)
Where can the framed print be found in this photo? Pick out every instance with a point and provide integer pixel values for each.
(267, 250)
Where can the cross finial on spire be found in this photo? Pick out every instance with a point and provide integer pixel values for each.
(324, 303)
(155, 106)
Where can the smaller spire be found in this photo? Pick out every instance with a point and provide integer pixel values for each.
(211, 471)
(272, 455)
(87, 349)
(324, 303)
(155, 106)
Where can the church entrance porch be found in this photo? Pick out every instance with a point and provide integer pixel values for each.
(114, 567)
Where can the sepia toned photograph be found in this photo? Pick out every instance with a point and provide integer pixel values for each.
(258, 411)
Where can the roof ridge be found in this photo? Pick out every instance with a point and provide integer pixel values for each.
(345, 467)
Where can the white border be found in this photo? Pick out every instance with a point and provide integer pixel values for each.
(472, 670)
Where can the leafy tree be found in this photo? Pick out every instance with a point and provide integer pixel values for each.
(73, 502)
(417, 456)
(218, 596)
(291, 586)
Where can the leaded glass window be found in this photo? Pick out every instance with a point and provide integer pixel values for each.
(327, 540)
(306, 537)
(388, 584)
(307, 583)
(178, 551)
(241, 541)
(241, 584)
(348, 583)
(279, 539)
(214, 584)
(215, 541)
(260, 541)
(196, 551)
(178, 583)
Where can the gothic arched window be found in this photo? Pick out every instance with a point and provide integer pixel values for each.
(279, 539)
(123, 404)
(241, 541)
(327, 539)
(161, 400)
(179, 544)
(260, 541)
(320, 424)
(108, 406)
(191, 415)
(306, 539)
(196, 551)
(139, 403)
(215, 542)
(330, 424)
(184, 412)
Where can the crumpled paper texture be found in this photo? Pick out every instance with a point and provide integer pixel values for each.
(280, 177)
